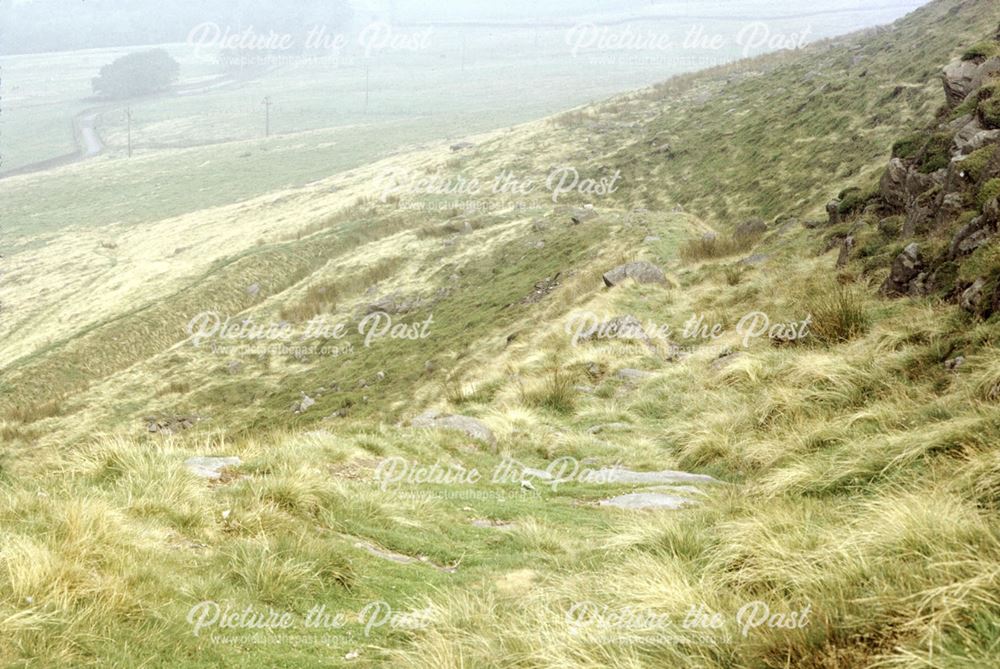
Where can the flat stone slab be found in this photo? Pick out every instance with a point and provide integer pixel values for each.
(647, 500)
(209, 467)
(470, 426)
(399, 558)
(492, 524)
(678, 490)
(634, 374)
(618, 475)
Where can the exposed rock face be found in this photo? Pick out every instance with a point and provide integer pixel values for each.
(901, 185)
(640, 272)
(973, 136)
(973, 235)
(750, 229)
(973, 298)
(963, 77)
(470, 426)
(833, 212)
(845, 251)
(907, 269)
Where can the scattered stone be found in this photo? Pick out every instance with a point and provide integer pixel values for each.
(210, 467)
(906, 269)
(755, 259)
(647, 500)
(253, 290)
(542, 289)
(170, 424)
(583, 214)
(634, 374)
(953, 364)
(470, 426)
(640, 272)
(651, 239)
(462, 146)
(492, 524)
(303, 404)
(234, 367)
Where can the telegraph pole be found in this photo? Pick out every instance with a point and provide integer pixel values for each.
(267, 116)
(128, 119)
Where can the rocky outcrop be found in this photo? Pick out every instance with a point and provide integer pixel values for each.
(973, 298)
(970, 237)
(972, 136)
(470, 426)
(907, 270)
(833, 212)
(902, 184)
(963, 77)
(640, 272)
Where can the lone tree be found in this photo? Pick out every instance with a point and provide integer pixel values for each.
(137, 74)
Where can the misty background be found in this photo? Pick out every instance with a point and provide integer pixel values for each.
(36, 26)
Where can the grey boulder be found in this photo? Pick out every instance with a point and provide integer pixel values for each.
(640, 272)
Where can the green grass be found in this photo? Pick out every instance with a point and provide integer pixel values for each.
(860, 475)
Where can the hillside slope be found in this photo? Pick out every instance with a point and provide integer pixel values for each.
(842, 397)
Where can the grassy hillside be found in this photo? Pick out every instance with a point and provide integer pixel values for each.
(856, 473)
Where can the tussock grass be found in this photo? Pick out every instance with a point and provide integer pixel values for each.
(713, 247)
(839, 313)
